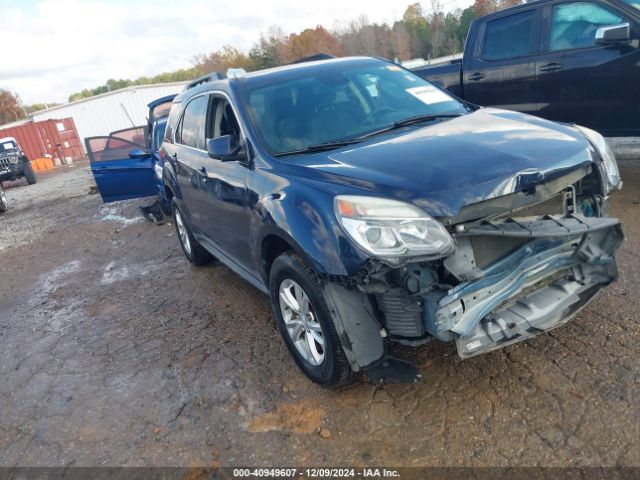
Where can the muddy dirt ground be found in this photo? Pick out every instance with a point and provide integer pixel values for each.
(115, 351)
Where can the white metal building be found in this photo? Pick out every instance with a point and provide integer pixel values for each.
(102, 114)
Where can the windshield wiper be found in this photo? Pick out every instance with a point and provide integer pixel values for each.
(321, 147)
(410, 121)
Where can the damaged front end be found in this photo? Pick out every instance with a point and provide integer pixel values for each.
(556, 268)
(523, 263)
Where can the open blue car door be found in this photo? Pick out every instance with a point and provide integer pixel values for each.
(122, 164)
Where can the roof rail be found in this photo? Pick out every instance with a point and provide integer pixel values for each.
(313, 58)
(209, 77)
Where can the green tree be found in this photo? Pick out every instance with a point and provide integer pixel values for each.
(467, 16)
(418, 29)
(36, 107)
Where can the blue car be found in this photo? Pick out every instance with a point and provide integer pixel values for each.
(127, 164)
(376, 209)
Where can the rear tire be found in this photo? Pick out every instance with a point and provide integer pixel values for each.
(4, 205)
(165, 204)
(28, 173)
(194, 252)
(308, 331)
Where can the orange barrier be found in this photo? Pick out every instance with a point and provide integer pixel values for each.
(41, 164)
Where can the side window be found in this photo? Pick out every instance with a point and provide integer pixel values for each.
(224, 120)
(137, 135)
(508, 37)
(574, 25)
(191, 130)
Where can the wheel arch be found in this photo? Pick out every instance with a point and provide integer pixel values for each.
(273, 243)
(170, 182)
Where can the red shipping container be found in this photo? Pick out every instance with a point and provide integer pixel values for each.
(57, 138)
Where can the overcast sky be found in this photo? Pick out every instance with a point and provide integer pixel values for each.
(52, 48)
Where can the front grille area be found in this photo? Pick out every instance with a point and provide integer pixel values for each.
(403, 315)
(488, 249)
(5, 162)
(556, 205)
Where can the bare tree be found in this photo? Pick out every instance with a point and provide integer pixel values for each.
(10, 108)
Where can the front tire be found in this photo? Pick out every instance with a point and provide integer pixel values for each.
(194, 252)
(28, 173)
(305, 322)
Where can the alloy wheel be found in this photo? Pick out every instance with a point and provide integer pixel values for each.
(301, 323)
(184, 234)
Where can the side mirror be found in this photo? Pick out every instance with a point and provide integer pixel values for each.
(225, 149)
(139, 154)
(613, 34)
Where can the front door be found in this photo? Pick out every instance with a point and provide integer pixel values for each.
(120, 169)
(589, 84)
(228, 213)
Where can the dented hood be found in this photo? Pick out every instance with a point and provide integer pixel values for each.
(445, 166)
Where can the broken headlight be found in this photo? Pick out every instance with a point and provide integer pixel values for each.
(389, 228)
(606, 155)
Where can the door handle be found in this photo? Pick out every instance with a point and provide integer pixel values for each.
(476, 76)
(551, 67)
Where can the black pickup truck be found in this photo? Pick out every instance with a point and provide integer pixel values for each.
(570, 61)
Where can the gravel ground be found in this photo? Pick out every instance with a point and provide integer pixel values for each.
(115, 351)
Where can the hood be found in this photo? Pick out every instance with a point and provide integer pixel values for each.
(462, 161)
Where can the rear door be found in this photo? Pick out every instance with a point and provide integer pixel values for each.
(500, 71)
(189, 156)
(118, 175)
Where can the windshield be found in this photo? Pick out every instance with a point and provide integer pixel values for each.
(7, 147)
(633, 3)
(329, 106)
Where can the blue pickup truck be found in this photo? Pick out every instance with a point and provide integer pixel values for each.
(569, 61)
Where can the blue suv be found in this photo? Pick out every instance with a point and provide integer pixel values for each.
(377, 209)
